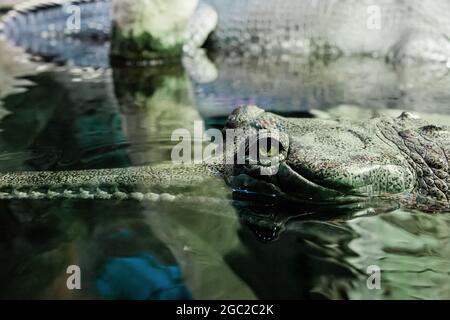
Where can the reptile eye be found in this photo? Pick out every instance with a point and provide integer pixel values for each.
(265, 149)
(269, 148)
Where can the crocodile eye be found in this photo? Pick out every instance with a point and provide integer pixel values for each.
(269, 148)
(265, 149)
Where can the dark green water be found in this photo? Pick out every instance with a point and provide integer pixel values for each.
(124, 117)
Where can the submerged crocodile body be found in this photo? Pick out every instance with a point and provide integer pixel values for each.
(399, 31)
(319, 161)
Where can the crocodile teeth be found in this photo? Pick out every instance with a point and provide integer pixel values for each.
(100, 194)
(167, 197)
(5, 196)
(19, 195)
(137, 196)
(68, 194)
(53, 195)
(36, 195)
(120, 195)
(84, 194)
(152, 197)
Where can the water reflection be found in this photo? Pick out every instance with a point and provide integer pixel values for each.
(153, 103)
(291, 84)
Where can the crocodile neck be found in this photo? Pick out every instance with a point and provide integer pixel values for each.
(427, 151)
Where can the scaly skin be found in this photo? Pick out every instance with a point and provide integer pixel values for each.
(342, 160)
(140, 183)
(323, 161)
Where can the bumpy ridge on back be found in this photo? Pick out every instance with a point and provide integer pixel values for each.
(427, 150)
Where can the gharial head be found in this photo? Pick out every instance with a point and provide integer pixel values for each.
(337, 161)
